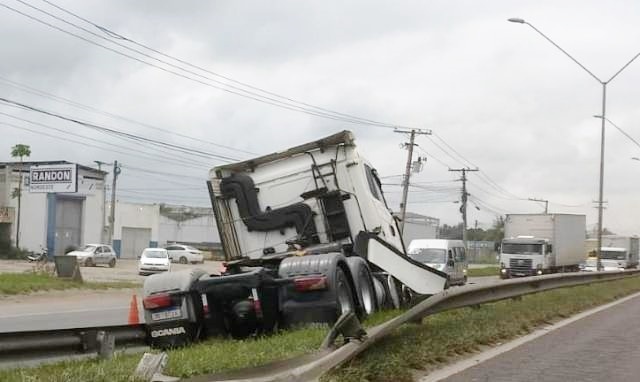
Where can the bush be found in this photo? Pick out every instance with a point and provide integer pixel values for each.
(12, 253)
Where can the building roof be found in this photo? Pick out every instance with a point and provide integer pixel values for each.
(39, 163)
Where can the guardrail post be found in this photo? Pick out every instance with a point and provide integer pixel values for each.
(106, 344)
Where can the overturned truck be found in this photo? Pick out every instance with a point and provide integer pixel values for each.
(307, 236)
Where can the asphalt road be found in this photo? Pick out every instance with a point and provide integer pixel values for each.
(600, 347)
(75, 308)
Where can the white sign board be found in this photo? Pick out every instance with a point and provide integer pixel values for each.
(53, 178)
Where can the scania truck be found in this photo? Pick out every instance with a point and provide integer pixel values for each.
(537, 244)
(307, 236)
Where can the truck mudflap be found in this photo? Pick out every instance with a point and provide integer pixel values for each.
(417, 276)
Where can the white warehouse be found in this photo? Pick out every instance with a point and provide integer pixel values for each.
(62, 207)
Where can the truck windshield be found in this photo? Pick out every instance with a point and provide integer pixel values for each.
(522, 249)
(612, 255)
(429, 255)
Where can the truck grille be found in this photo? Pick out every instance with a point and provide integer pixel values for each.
(520, 265)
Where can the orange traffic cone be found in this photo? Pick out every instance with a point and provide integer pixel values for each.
(134, 316)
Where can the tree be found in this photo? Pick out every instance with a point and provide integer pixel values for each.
(19, 151)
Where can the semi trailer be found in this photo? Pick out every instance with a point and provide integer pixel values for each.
(537, 244)
(307, 236)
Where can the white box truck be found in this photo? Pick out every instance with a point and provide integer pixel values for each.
(618, 252)
(536, 244)
(307, 235)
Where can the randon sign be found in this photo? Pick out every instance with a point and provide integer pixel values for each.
(53, 178)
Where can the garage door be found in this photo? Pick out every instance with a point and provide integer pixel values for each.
(68, 224)
(134, 240)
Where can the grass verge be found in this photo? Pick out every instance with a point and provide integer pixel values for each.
(411, 347)
(22, 283)
(486, 271)
(441, 337)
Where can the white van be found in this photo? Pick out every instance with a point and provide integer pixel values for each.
(448, 256)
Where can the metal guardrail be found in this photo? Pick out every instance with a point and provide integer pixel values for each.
(310, 366)
(453, 298)
(68, 341)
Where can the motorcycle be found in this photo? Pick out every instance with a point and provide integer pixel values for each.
(38, 257)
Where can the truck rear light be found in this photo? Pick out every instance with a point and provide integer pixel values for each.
(155, 301)
(305, 284)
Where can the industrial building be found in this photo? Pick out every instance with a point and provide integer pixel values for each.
(61, 207)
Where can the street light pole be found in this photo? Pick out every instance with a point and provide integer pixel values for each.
(602, 133)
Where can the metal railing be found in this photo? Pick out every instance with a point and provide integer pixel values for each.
(310, 366)
(454, 298)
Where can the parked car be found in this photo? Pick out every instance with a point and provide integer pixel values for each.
(184, 254)
(154, 260)
(94, 254)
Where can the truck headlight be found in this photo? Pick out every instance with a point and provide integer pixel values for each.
(503, 270)
(464, 271)
(539, 271)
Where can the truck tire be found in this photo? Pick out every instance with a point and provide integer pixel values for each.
(316, 306)
(345, 302)
(364, 288)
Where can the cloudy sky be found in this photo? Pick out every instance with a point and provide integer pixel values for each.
(496, 94)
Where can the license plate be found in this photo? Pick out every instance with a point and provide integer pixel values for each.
(166, 314)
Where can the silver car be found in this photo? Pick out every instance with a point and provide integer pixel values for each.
(93, 254)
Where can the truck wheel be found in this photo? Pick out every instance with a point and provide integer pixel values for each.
(344, 294)
(363, 283)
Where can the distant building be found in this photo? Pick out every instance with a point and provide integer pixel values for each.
(61, 207)
(418, 226)
(138, 226)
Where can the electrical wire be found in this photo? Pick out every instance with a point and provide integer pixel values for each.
(240, 92)
(42, 93)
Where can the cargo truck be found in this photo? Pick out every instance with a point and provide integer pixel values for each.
(307, 235)
(618, 252)
(537, 244)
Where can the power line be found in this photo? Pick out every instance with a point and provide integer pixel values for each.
(121, 37)
(240, 92)
(130, 136)
(42, 93)
(143, 155)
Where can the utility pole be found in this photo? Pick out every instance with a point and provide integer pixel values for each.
(112, 218)
(546, 204)
(407, 173)
(465, 194)
(104, 200)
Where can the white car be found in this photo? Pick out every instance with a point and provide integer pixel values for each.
(154, 260)
(93, 254)
(184, 254)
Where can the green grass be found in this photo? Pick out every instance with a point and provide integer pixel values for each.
(486, 271)
(22, 283)
(211, 356)
(411, 347)
(444, 336)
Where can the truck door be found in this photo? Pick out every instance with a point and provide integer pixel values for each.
(387, 223)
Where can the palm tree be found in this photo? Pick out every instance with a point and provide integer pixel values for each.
(21, 151)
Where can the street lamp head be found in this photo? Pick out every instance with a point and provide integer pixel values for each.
(597, 116)
(516, 20)
(635, 158)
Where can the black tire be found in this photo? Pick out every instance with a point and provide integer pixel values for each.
(183, 260)
(364, 287)
(344, 295)
(88, 262)
(112, 263)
